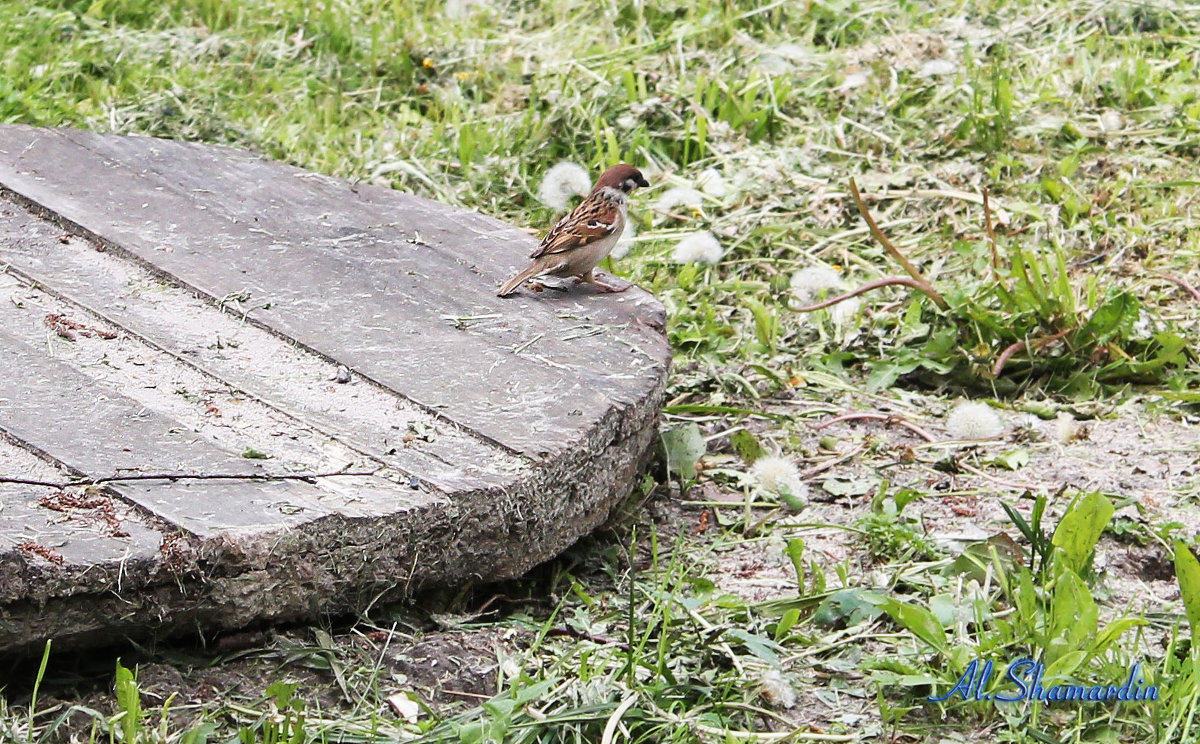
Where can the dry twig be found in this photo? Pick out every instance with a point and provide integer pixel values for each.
(1181, 282)
(177, 476)
(886, 282)
(895, 253)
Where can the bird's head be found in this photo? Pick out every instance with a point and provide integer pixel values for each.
(622, 177)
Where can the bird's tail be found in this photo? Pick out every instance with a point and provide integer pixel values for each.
(511, 285)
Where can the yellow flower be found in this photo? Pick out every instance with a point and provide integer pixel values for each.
(427, 63)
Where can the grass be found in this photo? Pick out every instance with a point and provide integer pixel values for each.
(695, 619)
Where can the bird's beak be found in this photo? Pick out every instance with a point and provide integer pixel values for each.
(642, 182)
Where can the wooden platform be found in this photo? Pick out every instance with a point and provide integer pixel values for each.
(177, 309)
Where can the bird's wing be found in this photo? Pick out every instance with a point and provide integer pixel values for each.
(589, 222)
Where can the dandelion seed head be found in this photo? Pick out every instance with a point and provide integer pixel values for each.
(845, 311)
(808, 284)
(779, 475)
(1066, 428)
(974, 420)
(680, 196)
(776, 690)
(1112, 121)
(771, 470)
(562, 182)
(698, 247)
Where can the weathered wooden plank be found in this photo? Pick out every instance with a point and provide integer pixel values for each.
(377, 422)
(357, 287)
(100, 433)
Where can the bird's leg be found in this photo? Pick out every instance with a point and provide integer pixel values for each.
(588, 278)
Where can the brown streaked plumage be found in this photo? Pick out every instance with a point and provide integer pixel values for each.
(579, 241)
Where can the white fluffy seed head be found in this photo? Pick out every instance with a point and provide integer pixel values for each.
(1066, 428)
(808, 284)
(625, 242)
(1112, 121)
(698, 247)
(974, 420)
(771, 470)
(776, 690)
(672, 199)
(562, 182)
(779, 475)
(845, 311)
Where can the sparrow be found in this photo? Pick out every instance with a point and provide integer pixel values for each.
(580, 240)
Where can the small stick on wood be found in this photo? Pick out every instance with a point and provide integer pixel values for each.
(29, 482)
(1002, 360)
(176, 476)
(885, 282)
(1181, 282)
(884, 417)
(927, 288)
